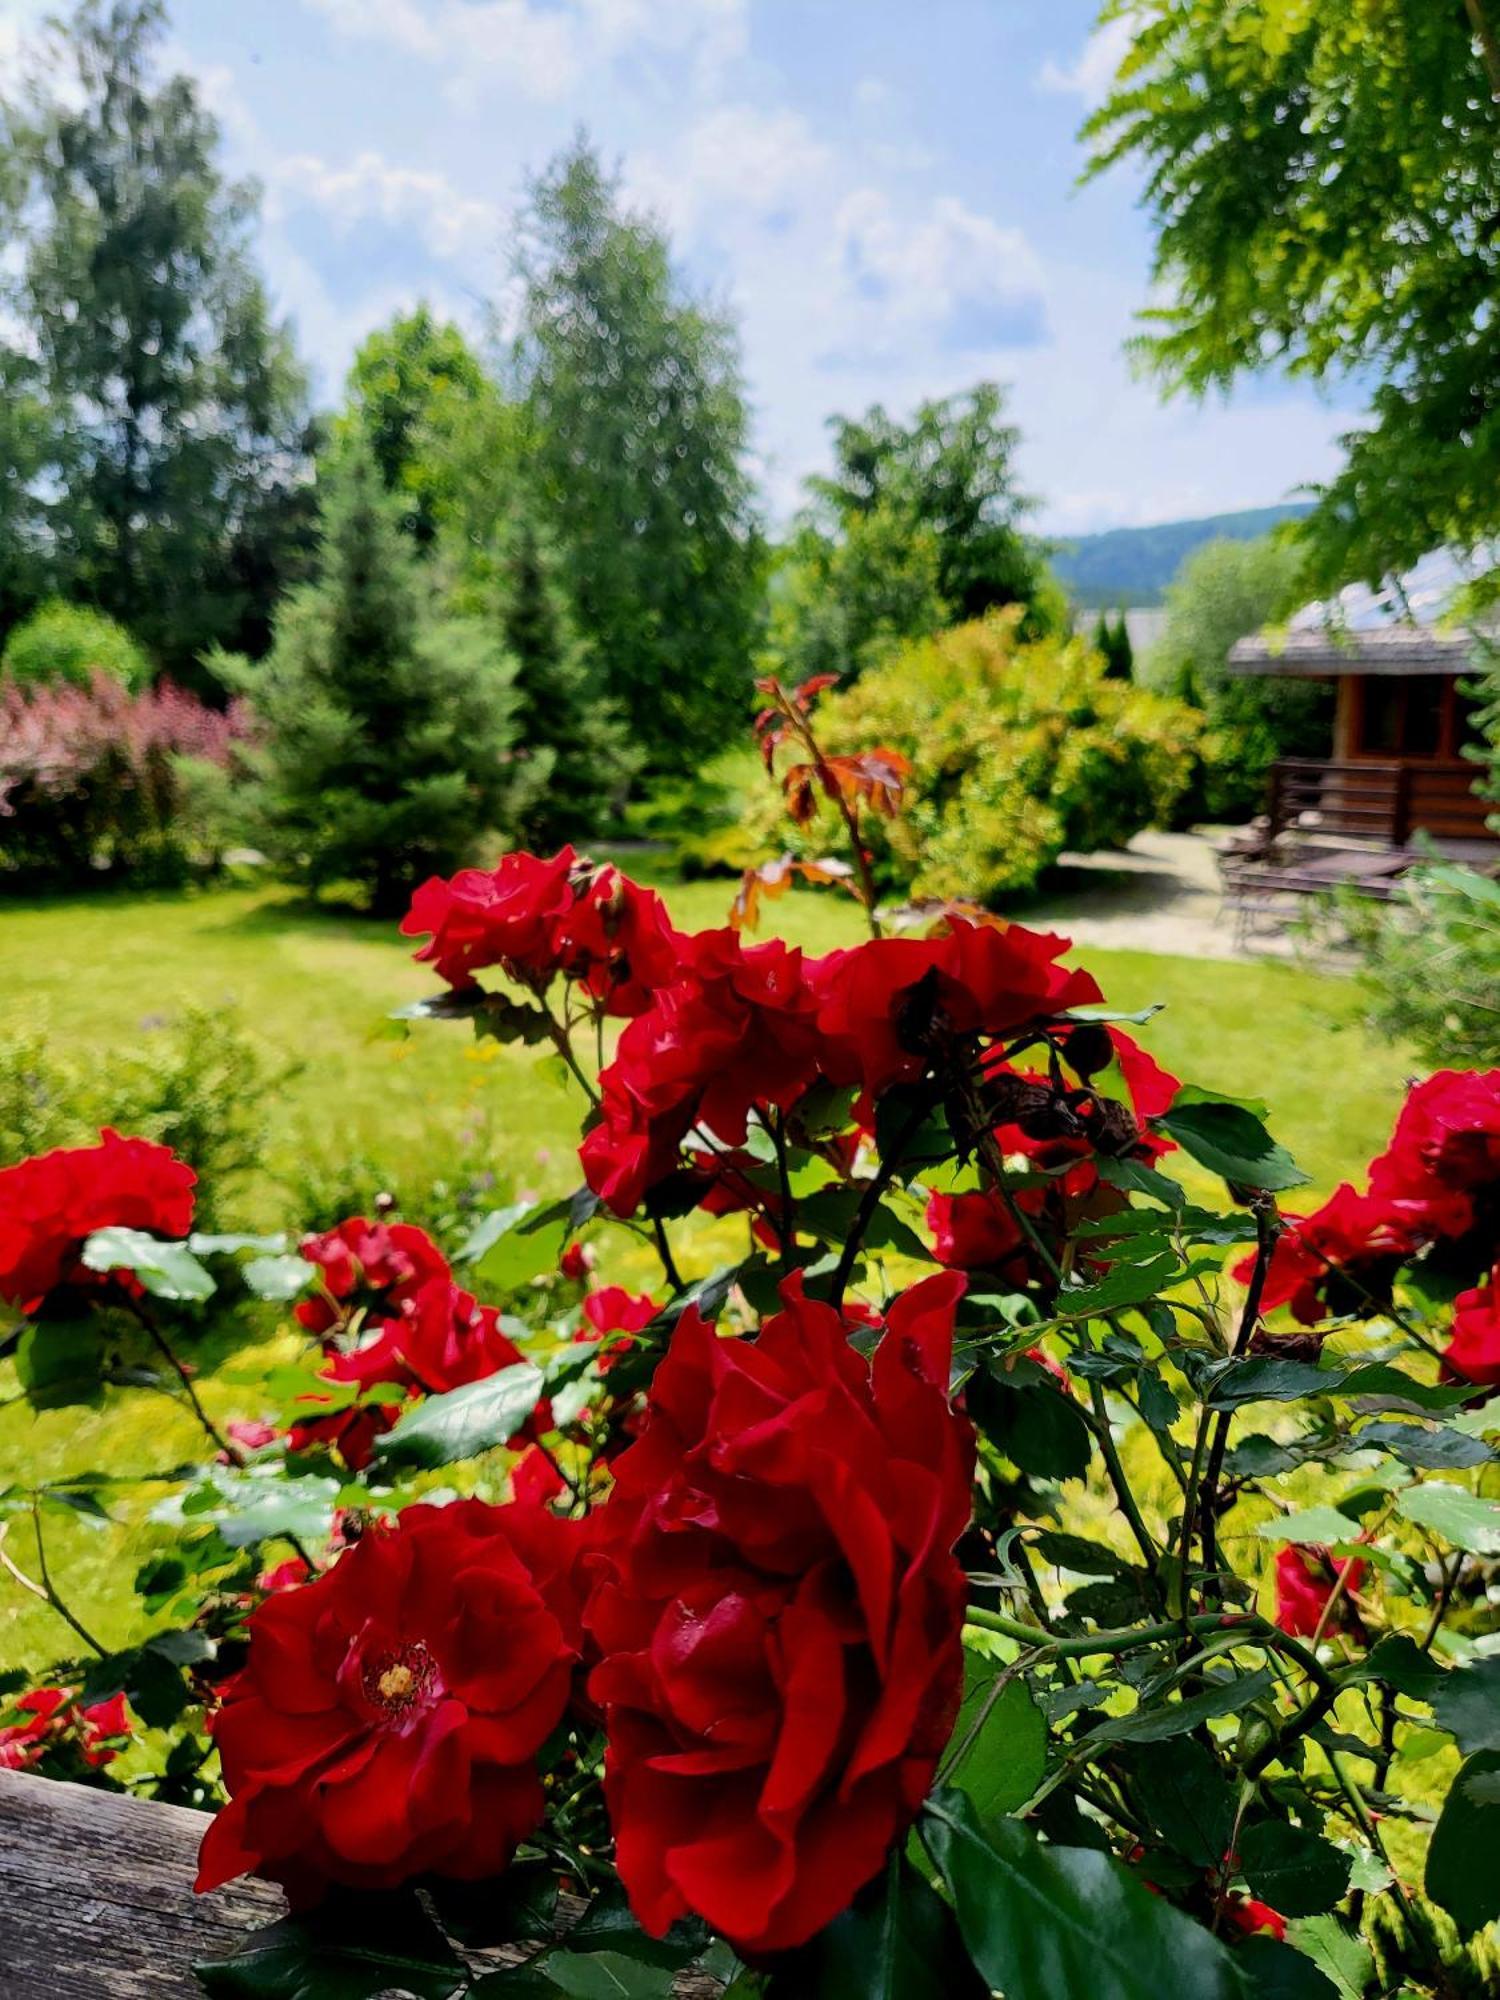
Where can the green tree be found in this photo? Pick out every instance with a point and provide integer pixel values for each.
(1223, 592)
(1324, 181)
(415, 386)
(919, 526)
(637, 443)
(1112, 644)
(166, 412)
(68, 642)
(389, 726)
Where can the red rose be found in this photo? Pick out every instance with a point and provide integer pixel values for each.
(535, 1479)
(1340, 1259)
(389, 1717)
(618, 942)
(736, 1034)
(501, 916)
(885, 1002)
(440, 1340)
(1305, 1580)
(534, 919)
(1474, 1351)
(49, 1206)
(972, 1231)
(1250, 1916)
(612, 1311)
(1445, 1149)
(367, 1264)
(575, 1262)
(53, 1717)
(777, 1612)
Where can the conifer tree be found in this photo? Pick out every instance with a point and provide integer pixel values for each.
(390, 725)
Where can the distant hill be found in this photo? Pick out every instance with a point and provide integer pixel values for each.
(1133, 566)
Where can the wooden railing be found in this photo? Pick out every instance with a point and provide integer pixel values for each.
(1384, 803)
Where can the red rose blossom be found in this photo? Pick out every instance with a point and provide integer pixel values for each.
(440, 1340)
(53, 1717)
(884, 1002)
(777, 1612)
(1445, 1150)
(534, 919)
(1473, 1353)
(1305, 1580)
(974, 1230)
(389, 1717)
(736, 1034)
(367, 1264)
(1340, 1259)
(1247, 1915)
(51, 1204)
(575, 1262)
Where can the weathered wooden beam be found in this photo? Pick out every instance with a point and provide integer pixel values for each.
(99, 1903)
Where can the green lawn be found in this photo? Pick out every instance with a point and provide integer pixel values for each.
(316, 989)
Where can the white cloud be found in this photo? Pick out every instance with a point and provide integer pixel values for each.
(734, 163)
(543, 49)
(972, 283)
(449, 223)
(1091, 75)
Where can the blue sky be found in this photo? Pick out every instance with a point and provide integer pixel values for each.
(885, 193)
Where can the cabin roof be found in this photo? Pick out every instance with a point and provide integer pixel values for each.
(1399, 651)
(1404, 627)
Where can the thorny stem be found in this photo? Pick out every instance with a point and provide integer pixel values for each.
(870, 1201)
(1267, 1230)
(834, 790)
(562, 1041)
(46, 1590)
(1417, 1928)
(664, 1252)
(206, 1423)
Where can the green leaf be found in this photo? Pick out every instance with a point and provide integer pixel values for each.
(514, 1908)
(1293, 1870)
(898, 1942)
(1461, 1874)
(603, 1975)
(1275, 1971)
(1025, 1415)
(166, 1270)
(506, 1254)
(350, 1949)
(1041, 1922)
(1122, 1285)
(1006, 1739)
(1467, 1705)
(1230, 1140)
(1187, 1798)
(228, 1246)
(1313, 1524)
(59, 1363)
(1134, 1178)
(1076, 1553)
(1401, 1664)
(257, 1504)
(1148, 1724)
(1461, 1518)
(277, 1279)
(443, 1429)
(1262, 1378)
(1426, 1446)
(1339, 1953)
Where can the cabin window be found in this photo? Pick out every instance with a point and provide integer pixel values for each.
(1424, 717)
(1380, 717)
(1419, 716)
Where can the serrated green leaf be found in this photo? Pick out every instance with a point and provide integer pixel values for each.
(441, 1430)
(1187, 1798)
(59, 1364)
(898, 1942)
(1467, 1705)
(1293, 1870)
(1230, 1140)
(999, 1740)
(166, 1270)
(506, 1254)
(343, 1952)
(1461, 1518)
(1461, 1874)
(277, 1279)
(1043, 1921)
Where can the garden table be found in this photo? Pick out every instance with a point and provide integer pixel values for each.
(99, 1904)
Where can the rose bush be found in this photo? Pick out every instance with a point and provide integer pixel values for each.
(1000, 1552)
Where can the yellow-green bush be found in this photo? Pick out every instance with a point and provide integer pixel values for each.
(1019, 749)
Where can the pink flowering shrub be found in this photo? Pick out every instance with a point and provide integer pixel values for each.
(96, 780)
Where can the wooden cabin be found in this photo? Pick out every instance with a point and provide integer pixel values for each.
(1396, 765)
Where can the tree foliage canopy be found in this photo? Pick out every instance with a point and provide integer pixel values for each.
(638, 434)
(1324, 182)
(156, 408)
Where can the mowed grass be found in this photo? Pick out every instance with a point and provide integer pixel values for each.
(316, 989)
